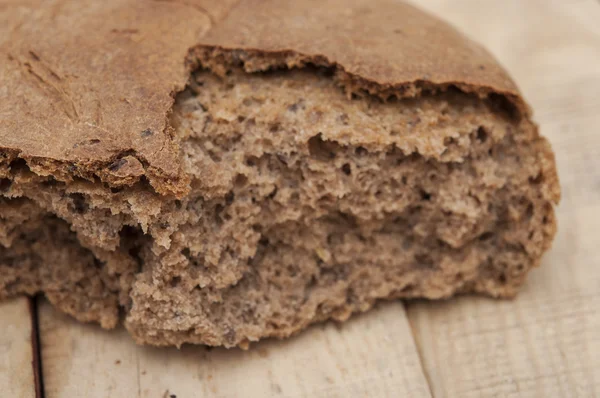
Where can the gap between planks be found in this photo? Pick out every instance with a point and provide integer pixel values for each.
(36, 361)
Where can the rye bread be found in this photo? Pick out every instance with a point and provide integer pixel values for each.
(221, 173)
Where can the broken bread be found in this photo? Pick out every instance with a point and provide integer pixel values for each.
(260, 166)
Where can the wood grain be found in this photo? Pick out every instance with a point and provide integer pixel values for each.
(16, 351)
(372, 355)
(545, 343)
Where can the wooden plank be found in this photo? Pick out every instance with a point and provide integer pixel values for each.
(371, 355)
(546, 342)
(16, 353)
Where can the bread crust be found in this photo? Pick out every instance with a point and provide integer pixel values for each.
(85, 85)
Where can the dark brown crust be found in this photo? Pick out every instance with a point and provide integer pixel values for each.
(381, 46)
(87, 85)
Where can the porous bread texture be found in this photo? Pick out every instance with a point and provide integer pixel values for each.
(307, 201)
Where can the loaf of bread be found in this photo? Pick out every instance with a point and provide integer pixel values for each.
(221, 172)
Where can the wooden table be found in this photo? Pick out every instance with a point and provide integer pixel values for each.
(546, 343)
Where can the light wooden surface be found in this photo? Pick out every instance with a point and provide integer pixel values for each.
(372, 355)
(546, 343)
(16, 351)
